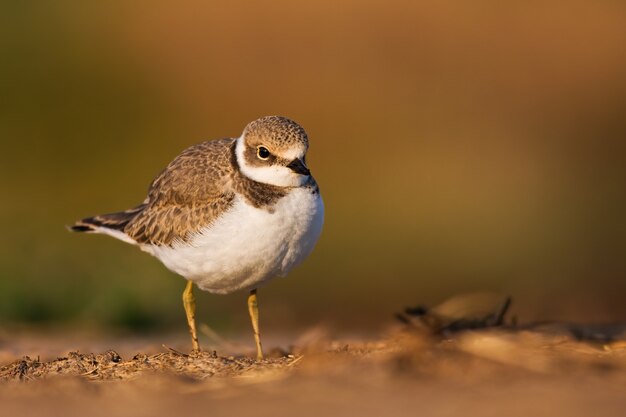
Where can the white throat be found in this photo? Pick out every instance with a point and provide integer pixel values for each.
(277, 175)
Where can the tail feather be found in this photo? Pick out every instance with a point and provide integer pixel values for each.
(80, 227)
(112, 224)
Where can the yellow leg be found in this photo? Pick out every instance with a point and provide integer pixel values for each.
(189, 302)
(253, 309)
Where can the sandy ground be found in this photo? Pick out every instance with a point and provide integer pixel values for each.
(545, 371)
(452, 360)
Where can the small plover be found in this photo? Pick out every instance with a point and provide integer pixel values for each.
(228, 214)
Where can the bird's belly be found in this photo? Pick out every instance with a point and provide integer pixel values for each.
(247, 246)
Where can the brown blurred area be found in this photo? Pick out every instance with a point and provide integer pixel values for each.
(459, 146)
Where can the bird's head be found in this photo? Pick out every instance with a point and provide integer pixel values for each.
(272, 150)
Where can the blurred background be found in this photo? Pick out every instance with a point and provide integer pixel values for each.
(459, 146)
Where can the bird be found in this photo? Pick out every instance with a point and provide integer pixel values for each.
(227, 214)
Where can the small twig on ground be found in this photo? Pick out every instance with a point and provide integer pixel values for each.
(175, 351)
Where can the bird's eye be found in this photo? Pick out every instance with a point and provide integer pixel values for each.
(262, 152)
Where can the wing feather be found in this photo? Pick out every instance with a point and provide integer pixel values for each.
(187, 195)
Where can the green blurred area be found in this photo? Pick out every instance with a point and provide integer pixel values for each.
(459, 146)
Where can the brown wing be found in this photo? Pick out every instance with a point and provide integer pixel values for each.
(187, 195)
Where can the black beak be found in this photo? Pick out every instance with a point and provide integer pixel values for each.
(298, 167)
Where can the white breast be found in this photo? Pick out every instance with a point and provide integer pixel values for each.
(246, 246)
